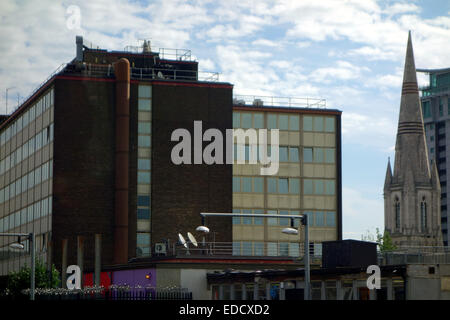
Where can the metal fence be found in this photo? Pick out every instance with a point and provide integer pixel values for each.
(415, 255)
(104, 294)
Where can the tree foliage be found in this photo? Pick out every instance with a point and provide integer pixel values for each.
(20, 280)
(383, 240)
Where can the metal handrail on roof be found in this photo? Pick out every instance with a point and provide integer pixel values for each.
(292, 102)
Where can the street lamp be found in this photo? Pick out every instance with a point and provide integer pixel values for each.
(291, 231)
(18, 245)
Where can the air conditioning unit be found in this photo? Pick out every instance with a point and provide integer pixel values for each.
(160, 248)
(258, 103)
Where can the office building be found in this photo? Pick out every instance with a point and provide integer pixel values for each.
(436, 117)
(90, 153)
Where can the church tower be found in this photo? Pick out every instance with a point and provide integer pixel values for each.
(412, 213)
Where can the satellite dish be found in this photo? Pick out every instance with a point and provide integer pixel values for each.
(202, 229)
(192, 239)
(182, 241)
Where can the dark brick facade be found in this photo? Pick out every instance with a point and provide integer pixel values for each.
(83, 180)
(181, 192)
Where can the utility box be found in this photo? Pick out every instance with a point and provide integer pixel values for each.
(348, 253)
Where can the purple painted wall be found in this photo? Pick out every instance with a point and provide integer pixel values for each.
(134, 277)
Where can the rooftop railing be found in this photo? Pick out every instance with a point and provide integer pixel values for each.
(164, 53)
(415, 255)
(291, 102)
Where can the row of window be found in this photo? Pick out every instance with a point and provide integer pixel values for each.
(144, 169)
(26, 182)
(427, 109)
(34, 211)
(289, 154)
(315, 218)
(283, 122)
(44, 103)
(319, 187)
(34, 144)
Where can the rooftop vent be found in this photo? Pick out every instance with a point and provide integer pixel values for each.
(258, 103)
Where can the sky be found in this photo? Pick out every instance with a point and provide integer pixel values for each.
(350, 53)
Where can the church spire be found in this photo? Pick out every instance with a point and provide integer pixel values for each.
(410, 150)
(388, 179)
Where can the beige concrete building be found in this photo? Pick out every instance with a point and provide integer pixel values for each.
(308, 180)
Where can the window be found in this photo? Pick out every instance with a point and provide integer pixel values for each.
(246, 120)
(318, 187)
(397, 213)
(272, 249)
(258, 248)
(307, 186)
(283, 185)
(257, 220)
(283, 154)
(236, 120)
(272, 121)
(329, 187)
(307, 123)
(318, 123)
(293, 154)
(246, 184)
(272, 185)
(318, 155)
(272, 221)
(144, 105)
(319, 218)
(144, 127)
(284, 249)
(426, 109)
(329, 155)
(144, 164)
(329, 124)
(283, 122)
(236, 248)
(143, 213)
(246, 248)
(144, 141)
(307, 154)
(143, 201)
(331, 219)
(258, 119)
(236, 184)
(294, 186)
(293, 122)
(145, 91)
(423, 215)
(284, 221)
(143, 177)
(258, 185)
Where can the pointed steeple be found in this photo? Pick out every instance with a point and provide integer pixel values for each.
(410, 150)
(388, 179)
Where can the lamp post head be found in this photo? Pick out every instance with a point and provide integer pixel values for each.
(290, 231)
(203, 229)
(17, 246)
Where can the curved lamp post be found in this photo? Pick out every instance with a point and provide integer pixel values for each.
(291, 231)
(20, 246)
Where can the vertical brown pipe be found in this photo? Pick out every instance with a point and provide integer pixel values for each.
(122, 71)
(64, 263)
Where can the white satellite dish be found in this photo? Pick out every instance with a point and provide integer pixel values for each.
(182, 241)
(192, 239)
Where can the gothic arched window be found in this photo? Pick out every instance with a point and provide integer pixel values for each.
(397, 213)
(423, 214)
